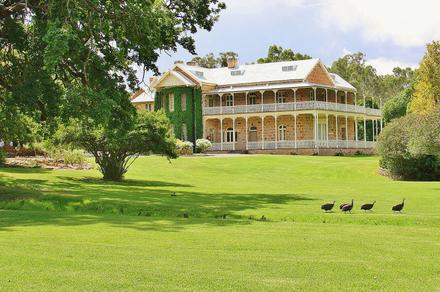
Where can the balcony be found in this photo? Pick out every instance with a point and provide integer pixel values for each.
(291, 106)
(298, 144)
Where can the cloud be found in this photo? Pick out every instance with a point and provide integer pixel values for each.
(404, 22)
(385, 66)
(259, 6)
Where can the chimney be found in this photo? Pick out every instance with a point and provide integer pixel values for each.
(191, 63)
(232, 62)
(178, 62)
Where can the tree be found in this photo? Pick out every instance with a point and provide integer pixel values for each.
(427, 88)
(278, 54)
(116, 149)
(392, 85)
(397, 106)
(211, 61)
(63, 61)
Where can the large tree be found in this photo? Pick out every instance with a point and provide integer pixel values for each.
(277, 54)
(211, 61)
(63, 60)
(427, 89)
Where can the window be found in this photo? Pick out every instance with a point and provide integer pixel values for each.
(183, 102)
(282, 132)
(311, 95)
(149, 107)
(281, 96)
(229, 135)
(289, 68)
(211, 101)
(184, 134)
(171, 102)
(229, 100)
(199, 74)
(252, 98)
(237, 72)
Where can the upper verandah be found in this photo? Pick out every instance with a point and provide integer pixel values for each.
(310, 71)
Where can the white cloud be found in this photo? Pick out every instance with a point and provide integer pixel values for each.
(404, 22)
(346, 52)
(385, 66)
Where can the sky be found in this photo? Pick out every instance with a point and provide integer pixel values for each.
(390, 32)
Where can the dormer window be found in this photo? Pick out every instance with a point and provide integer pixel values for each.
(289, 68)
(199, 74)
(237, 72)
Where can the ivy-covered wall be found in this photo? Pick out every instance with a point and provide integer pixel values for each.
(192, 116)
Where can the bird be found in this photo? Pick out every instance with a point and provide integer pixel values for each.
(368, 207)
(342, 205)
(399, 207)
(347, 207)
(328, 206)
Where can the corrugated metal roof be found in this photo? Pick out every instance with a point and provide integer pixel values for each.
(146, 96)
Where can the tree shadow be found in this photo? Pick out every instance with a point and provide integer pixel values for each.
(133, 203)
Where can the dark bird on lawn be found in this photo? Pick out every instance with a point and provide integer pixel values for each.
(398, 207)
(328, 207)
(347, 207)
(368, 207)
(342, 205)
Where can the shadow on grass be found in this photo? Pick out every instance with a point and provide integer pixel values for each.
(78, 201)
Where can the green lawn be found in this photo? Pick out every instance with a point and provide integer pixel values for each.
(67, 230)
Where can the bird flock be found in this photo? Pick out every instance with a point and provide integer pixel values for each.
(347, 207)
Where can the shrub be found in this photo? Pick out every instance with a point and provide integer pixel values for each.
(203, 145)
(2, 156)
(67, 156)
(410, 147)
(184, 147)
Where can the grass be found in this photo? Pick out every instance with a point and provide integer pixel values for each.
(68, 230)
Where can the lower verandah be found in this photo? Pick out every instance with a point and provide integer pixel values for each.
(280, 132)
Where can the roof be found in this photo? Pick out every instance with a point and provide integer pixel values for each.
(143, 95)
(253, 75)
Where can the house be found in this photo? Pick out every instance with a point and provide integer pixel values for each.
(143, 99)
(284, 107)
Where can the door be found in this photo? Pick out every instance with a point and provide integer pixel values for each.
(253, 134)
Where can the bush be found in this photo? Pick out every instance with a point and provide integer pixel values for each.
(67, 156)
(203, 145)
(2, 156)
(410, 147)
(184, 147)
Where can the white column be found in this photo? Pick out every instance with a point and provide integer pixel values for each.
(346, 128)
(314, 93)
(365, 132)
(262, 132)
(246, 102)
(336, 96)
(346, 103)
(355, 99)
(372, 126)
(221, 101)
(316, 129)
(275, 98)
(233, 102)
(326, 100)
(221, 134)
(356, 131)
(276, 132)
(381, 125)
(262, 100)
(337, 130)
(294, 120)
(246, 131)
(233, 131)
(294, 99)
(326, 122)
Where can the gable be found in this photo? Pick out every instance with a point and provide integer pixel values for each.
(173, 79)
(319, 75)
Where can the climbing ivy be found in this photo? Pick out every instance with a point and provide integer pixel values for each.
(192, 116)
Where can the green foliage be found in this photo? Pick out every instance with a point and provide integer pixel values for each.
(410, 147)
(427, 89)
(192, 116)
(364, 78)
(66, 155)
(211, 61)
(63, 60)
(278, 54)
(2, 156)
(397, 106)
(116, 148)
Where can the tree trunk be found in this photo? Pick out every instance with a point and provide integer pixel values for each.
(112, 166)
